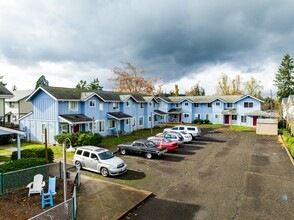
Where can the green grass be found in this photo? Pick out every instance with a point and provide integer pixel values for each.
(289, 140)
(4, 151)
(114, 140)
(240, 128)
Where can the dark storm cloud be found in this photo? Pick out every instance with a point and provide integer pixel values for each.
(166, 37)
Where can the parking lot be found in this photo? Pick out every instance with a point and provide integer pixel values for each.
(222, 175)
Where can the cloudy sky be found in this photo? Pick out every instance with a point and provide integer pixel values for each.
(182, 42)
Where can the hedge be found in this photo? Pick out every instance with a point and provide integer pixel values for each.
(80, 138)
(21, 164)
(35, 153)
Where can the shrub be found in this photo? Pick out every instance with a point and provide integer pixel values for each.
(80, 138)
(206, 121)
(35, 153)
(198, 121)
(60, 138)
(88, 138)
(21, 164)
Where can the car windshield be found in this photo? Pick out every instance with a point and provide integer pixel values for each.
(168, 140)
(106, 155)
(150, 144)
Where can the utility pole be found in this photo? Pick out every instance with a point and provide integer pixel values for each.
(46, 146)
(271, 104)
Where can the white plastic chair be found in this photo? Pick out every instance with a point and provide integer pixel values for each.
(37, 185)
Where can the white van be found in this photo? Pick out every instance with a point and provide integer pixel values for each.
(193, 130)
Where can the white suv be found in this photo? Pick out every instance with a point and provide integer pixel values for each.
(99, 160)
(193, 130)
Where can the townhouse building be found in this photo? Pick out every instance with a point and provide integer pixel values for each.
(16, 107)
(67, 110)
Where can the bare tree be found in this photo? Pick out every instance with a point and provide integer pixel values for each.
(253, 87)
(196, 90)
(227, 87)
(131, 80)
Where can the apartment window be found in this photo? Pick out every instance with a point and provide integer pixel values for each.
(64, 128)
(234, 117)
(177, 105)
(11, 104)
(149, 118)
(217, 104)
(127, 121)
(230, 105)
(217, 116)
(153, 104)
(248, 104)
(209, 105)
(197, 116)
(161, 117)
(141, 121)
(186, 103)
(243, 119)
(101, 106)
(142, 105)
(196, 105)
(128, 104)
(92, 103)
(207, 117)
(111, 123)
(155, 118)
(73, 106)
(186, 115)
(101, 126)
(115, 105)
(150, 103)
(134, 122)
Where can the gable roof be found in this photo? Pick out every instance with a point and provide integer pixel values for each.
(4, 92)
(19, 95)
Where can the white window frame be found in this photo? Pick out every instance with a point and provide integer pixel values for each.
(149, 118)
(217, 104)
(197, 116)
(11, 104)
(186, 104)
(92, 103)
(43, 128)
(234, 117)
(109, 123)
(177, 105)
(63, 129)
(141, 120)
(209, 105)
(217, 116)
(128, 104)
(230, 105)
(101, 106)
(248, 104)
(101, 126)
(196, 105)
(73, 106)
(141, 105)
(150, 103)
(243, 119)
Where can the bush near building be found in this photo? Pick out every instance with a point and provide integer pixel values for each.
(80, 138)
(289, 140)
(35, 153)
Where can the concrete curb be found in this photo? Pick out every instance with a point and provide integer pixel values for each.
(280, 137)
(140, 202)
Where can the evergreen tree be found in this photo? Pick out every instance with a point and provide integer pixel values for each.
(284, 79)
(42, 81)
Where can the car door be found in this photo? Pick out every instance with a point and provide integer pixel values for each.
(93, 161)
(136, 149)
(86, 159)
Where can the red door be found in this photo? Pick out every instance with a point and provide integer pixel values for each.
(76, 128)
(227, 119)
(254, 120)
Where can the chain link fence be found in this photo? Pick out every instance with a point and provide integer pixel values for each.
(66, 210)
(19, 179)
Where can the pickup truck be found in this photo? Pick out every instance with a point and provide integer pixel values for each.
(146, 148)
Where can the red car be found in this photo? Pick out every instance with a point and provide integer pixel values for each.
(160, 141)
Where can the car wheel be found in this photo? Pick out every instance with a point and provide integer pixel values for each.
(78, 165)
(148, 155)
(123, 151)
(104, 171)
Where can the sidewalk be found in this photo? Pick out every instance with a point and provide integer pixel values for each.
(99, 199)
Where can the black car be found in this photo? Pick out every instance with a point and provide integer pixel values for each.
(146, 148)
